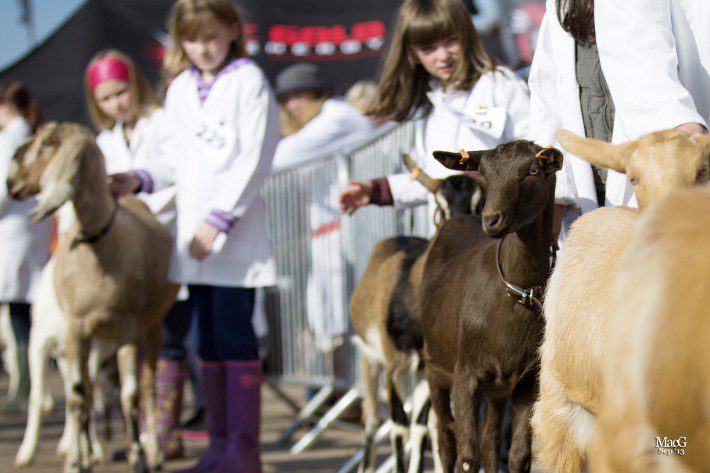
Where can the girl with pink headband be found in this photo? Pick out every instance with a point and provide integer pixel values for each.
(133, 134)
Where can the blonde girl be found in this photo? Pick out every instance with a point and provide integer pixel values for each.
(436, 69)
(224, 120)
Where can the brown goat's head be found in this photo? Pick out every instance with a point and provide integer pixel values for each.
(655, 164)
(460, 194)
(47, 165)
(520, 182)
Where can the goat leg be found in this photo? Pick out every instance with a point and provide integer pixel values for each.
(400, 421)
(491, 435)
(38, 357)
(421, 405)
(77, 459)
(152, 346)
(128, 370)
(466, 398)
(519, 459)
(444, 437)
(370, 372)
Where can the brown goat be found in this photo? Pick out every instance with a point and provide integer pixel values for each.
(654, 414)
(109, 277)
(577, 302)
(480, 339)
(384, 315)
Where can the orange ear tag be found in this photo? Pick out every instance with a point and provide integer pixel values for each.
(541, 154)
(464, 156)
(415, 173)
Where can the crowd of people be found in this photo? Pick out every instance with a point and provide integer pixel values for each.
(604, 69)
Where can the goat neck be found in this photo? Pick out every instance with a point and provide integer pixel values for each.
(92, 201)
(525, 253)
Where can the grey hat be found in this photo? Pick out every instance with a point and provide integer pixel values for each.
(300, 77)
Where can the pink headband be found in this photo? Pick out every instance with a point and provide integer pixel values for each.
(107, 68)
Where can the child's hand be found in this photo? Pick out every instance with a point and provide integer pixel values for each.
(123, 183)
(354, 196)
(201, 244)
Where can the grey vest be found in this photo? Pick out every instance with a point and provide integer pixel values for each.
(597, 105)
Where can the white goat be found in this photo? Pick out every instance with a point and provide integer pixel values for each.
(109, 277)
(654, 414)
(577, 300)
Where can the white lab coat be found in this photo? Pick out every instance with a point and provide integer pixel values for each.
(655, 56)
(219, 155)
(337, 124)
(25, 245)
(494, 111)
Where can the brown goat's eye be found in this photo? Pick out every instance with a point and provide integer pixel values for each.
(702, 175)
(534, 171)
(633, 180)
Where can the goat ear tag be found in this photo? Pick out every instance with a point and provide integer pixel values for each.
(551, 157)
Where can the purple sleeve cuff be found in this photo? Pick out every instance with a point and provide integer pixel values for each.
(221, 220)
(381, 192)
(146, 181)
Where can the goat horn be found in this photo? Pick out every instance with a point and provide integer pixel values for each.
(429, 183)
(596, 152)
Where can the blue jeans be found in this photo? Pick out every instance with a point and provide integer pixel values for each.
(176, 326)
(224, 322)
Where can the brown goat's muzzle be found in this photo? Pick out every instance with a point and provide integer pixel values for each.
(18, 190)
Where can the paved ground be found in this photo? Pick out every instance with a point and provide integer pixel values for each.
(328, 453)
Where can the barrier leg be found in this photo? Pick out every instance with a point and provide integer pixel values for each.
(283, 397)
(382, 433)
(346, 401)
(306, 413)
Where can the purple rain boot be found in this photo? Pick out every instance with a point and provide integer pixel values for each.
(243, 418)
(214, 389)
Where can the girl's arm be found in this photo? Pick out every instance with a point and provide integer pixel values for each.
(516, 99)
(249, 165)
(638, 54)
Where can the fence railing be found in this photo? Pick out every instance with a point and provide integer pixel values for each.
(320, 255)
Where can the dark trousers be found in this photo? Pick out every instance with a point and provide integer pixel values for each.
(20, 320)
(224, 322)
(176, 326)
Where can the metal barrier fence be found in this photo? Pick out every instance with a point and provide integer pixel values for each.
(320, 255)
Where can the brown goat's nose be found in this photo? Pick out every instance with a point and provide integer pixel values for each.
(9, 183)
(492, 220)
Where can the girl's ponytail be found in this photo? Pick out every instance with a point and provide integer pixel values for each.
(16, 94)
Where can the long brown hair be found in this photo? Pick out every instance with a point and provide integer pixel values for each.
(577, 18)
(16, 94)
(401, 92)
(189, 18)
(143, 100)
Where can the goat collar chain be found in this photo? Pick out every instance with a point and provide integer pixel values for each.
(94, 237)
(529, 298)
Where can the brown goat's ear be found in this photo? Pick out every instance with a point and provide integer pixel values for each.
(461, 161)
(596, 152)
(551, 159)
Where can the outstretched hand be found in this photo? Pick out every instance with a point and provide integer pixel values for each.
(356, 195)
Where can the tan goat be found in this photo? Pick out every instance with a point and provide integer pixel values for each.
(110, 277)
(654, 414)
(577, 300)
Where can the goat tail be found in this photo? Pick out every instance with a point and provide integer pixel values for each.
(367, 351)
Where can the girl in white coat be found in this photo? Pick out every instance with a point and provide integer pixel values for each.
(223, 116)
(133, 134)
(437, 69)
(25, 245)
(654, 74)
